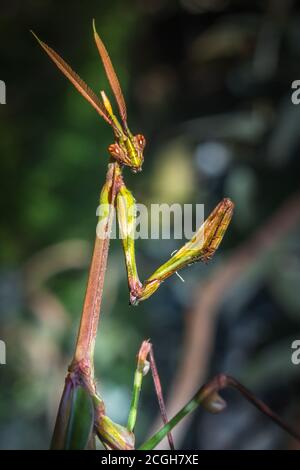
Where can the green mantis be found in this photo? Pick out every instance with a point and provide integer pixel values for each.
(127, 150)
(82, 414)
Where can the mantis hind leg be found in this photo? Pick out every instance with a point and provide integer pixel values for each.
(208, 396)
(143, 366)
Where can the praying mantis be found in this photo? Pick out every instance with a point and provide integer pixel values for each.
(127, 150)
(81, 413)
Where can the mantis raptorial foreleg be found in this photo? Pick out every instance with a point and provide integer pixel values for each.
(200, 248)
(128, 150)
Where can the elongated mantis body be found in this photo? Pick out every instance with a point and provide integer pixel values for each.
(127, 150)
(82, 413)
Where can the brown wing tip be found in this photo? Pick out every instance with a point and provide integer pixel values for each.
(94, 27)
(227, 203)
(36, 37)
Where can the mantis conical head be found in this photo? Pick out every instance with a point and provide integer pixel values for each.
(128, 148)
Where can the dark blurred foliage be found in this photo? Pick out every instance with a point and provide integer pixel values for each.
(209, 84)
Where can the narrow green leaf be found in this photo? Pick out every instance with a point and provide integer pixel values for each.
(159, 435)
(81, 420)
(62, 419)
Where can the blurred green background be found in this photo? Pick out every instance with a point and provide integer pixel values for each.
(209, 84)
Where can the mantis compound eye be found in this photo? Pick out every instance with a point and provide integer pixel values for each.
(114, 150)
(140, 141)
